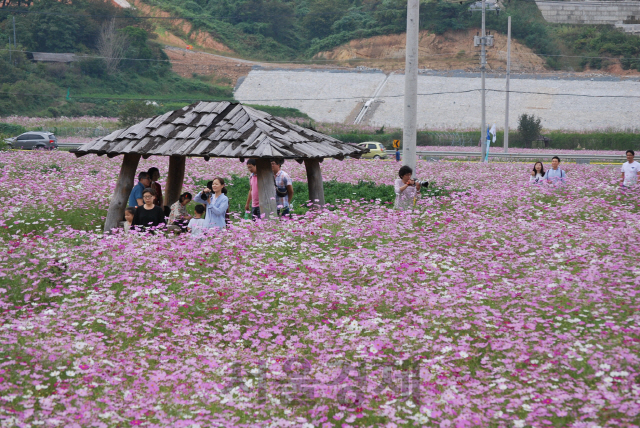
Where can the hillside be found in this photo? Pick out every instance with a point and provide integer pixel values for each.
(289, 33)
(452, 50)
(98, 80)
(287, 30)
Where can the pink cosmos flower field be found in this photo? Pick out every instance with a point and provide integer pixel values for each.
(504, 304)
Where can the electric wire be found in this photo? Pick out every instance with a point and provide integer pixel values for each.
(88, 96)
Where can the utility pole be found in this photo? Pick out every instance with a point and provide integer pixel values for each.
(483, 40)
(506, 109)
(409, 135)
(14, 31)
(483, 62)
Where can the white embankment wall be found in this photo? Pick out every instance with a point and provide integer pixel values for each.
(333, 96)
(593, 12)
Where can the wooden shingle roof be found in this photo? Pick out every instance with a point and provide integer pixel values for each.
(220, 129)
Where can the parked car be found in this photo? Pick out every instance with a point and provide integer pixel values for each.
(34, 141)
(376, 150)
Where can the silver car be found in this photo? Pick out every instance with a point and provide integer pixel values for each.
(34, 141)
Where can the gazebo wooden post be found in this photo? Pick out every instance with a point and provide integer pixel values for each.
(120, 197)
(175, 179)
(266, 188)
(314, 181)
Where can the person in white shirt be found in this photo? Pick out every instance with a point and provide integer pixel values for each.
(537, 175)
(406, 189)
(197, 225)
(555, 174)
(630, 170)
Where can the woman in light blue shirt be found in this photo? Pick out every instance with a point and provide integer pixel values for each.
(216, 203)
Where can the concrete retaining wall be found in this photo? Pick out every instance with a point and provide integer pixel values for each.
(589, 12)
(338, 95)
(462, 111)
(332, 96)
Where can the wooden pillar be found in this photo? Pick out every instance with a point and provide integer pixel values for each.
(175, 179)
(266, 188)
(314, 181)
(120, 197)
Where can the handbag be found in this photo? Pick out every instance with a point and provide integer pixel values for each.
(281, 192)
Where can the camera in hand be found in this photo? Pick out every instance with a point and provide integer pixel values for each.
(424, 184)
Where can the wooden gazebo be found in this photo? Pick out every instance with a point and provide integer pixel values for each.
(216, 129)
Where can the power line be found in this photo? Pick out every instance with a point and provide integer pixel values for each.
(568, 95)
(324, 99)
(590, 57)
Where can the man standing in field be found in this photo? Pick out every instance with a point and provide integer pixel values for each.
(630, 170)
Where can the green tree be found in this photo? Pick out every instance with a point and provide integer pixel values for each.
(135, 111)
(529, 128)
(321, 16)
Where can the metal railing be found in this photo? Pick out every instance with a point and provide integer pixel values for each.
(451, 138)
(578, 157)
(68, 145)
(76, 131)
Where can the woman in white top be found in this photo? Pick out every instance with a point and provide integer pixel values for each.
(406, 189)
(537, 174)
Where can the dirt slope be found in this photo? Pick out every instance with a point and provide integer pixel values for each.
(197, 37)
(224, 69)
(220, 69)
(449, 51)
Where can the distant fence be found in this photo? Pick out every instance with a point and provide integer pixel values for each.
(497, 155)
(451, 139)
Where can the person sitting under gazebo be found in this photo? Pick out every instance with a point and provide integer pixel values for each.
(178, 215)
(148, 215)
(135, 197)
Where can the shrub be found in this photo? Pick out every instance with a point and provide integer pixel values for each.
(93, 67)
(11, 130)
(529, 128)
(54, 112)
(3, 146)
(135, 111)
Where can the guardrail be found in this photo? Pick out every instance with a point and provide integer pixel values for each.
(578, 157)
(69, 145)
